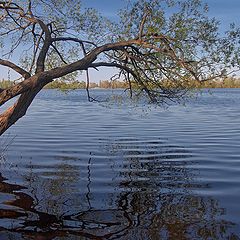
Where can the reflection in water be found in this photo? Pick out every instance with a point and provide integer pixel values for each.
(5, 141)
(129, 189)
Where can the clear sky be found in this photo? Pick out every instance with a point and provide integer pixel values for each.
(226, 11)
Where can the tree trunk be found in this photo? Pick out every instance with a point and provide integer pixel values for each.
(18, 110)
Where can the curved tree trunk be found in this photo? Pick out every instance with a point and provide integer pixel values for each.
(18, 110)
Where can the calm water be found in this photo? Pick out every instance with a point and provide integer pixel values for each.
(79, 170)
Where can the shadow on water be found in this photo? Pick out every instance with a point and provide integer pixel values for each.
(135, 190)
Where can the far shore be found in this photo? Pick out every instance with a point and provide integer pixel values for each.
(106, 84)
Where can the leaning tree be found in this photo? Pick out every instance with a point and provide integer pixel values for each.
(158, 47)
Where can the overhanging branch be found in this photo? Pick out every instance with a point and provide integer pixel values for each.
(16, 68)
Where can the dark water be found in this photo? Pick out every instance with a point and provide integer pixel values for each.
(80, 170)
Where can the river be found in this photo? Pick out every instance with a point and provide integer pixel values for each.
(72, 169)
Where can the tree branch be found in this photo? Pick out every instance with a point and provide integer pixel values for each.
(59, 54)
(16, 68)
(45, 48)
(58, 39)
(18, 110)
(142, 24)
(20, 88)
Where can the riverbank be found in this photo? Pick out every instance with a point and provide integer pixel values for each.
(63, 85)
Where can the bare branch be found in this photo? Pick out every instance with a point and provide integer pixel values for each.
(77, 40)
(90, 99)
(143, 23)
(47, 42)
(16, 68)
(58, 53)
(9, 5)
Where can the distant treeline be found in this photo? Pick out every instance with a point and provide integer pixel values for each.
(106, 84)
(229, 82)
(64, 85)
(82, 85)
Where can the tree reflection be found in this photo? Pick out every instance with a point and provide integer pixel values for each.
(152, 197)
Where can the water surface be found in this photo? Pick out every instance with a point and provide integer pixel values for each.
(80, 170)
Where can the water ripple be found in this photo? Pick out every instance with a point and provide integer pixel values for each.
(84, 170)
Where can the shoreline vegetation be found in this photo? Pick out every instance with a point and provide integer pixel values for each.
(230, 82)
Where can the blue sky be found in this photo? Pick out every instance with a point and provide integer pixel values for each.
(226, 11)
